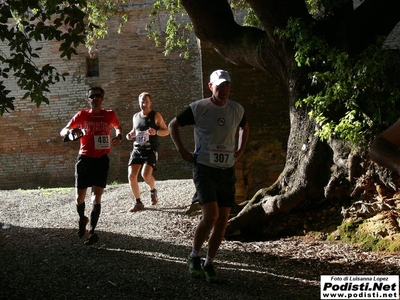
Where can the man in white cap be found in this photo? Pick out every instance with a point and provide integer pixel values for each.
(216, 121)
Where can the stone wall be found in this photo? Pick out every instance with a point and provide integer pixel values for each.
(33, 155)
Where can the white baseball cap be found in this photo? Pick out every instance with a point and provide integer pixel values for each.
(219, 76)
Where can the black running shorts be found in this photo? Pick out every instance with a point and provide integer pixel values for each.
(90, 171)
(214, 184)
(149, 157)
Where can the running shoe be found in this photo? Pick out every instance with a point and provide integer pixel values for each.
(209, 273)
(91, 239)
(195, 269)
(82, 226)
(154, 197)
(138, 206)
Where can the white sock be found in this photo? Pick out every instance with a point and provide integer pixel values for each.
(208, 261)
(194, 253)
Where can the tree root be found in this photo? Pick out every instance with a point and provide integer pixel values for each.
(251, 220)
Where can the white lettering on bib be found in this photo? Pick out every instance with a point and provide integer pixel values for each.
(222, 156)
(102, 142)
(142, 137)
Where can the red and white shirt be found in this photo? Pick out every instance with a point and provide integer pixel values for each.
(97, 140)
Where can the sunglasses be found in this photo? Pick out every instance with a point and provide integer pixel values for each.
(92, 96)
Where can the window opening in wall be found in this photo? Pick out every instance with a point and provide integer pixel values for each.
(92, 66)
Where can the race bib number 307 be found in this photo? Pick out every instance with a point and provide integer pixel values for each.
(102, 142)
(222, 156)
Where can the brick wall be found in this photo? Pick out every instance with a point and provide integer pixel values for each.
(31, 151)
(33, 155)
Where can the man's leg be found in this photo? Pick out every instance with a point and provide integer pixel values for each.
(97, 192)
(147, 174)
(214, 242)
(209, 217)
(133, 173)
(80, 207)
(206, 224)
(218, 232)
(80, 195)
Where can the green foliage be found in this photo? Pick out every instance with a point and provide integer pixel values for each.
(116, 183)
(177, 31)
(176, 36)
(383, 244)
(72, 22)
(349, 232)
(36, 22)
(355, 232)
(394, 245)
(350, 98)
(98, 13)
(250, 18)
(320, 9)
(368, 243)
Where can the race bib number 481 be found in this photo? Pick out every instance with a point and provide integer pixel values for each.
(102, 142)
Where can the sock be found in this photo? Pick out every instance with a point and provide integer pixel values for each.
(138, 200)
(94, 217)
(208, 261)
(194, 253)
(81, 210)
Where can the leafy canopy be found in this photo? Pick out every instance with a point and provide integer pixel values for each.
(349, 98)
(26, 25)
(33, 23)
(177, 28)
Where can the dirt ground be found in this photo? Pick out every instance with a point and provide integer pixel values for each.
(143, 255)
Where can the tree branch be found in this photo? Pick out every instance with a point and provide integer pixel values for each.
(247, 46)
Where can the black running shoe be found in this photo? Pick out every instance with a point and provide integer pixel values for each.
(82, 226)
(194, 264)
(154, 197)
(91, 239)
(209, 273)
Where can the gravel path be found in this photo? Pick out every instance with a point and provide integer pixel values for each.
(143, 255)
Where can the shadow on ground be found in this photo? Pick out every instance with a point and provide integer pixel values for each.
(59, 266)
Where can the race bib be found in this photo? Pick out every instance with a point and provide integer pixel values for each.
(222, 156)
(142, 137)
(102, 142)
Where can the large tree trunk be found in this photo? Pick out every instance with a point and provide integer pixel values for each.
(315, 170)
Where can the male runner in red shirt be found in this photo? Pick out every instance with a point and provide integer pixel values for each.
(91, 168)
